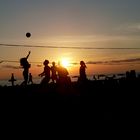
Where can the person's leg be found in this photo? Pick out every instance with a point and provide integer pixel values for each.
(25, 74)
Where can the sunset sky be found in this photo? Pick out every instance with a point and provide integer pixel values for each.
(83, 24)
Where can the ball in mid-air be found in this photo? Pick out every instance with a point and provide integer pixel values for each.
(28, 34)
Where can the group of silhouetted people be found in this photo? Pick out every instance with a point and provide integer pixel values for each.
(58, 74)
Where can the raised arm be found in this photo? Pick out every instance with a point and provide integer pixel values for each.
(28, 54)
(41, 74)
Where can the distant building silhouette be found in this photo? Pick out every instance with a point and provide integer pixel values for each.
(131, 75)
(127, 75)
(139, 76)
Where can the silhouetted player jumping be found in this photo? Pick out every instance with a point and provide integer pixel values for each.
(25, 65)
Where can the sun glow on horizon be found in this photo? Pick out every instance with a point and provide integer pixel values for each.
(65, 62)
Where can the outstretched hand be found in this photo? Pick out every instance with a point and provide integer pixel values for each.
(28, 54)
(40, 75)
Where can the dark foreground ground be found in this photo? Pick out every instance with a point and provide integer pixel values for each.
(104, 100)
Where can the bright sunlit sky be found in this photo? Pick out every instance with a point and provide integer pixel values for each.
(70, 23)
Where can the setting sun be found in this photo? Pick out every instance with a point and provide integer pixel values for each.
(65, 63)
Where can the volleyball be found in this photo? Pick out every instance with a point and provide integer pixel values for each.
(28, 34)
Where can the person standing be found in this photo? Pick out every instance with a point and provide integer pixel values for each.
(54, 70)
(82, 71)
(45, 73)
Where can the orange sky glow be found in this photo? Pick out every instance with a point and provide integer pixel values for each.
(104, 34)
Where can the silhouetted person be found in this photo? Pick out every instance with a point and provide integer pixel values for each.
(12, 80)
(94, 77)
(30, 78)
(54, 70)
(82, 71)
(25, 65)
(45, 73)
(63, 77)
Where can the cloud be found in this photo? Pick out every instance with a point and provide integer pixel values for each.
(115, 62)
(74, 63)
(96, 62)
(126, 60)
(111, 62)
(39, 65)
(10, 67)
(129, 28)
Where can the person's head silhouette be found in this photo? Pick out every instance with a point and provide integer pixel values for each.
(46, 62)
(82, 63)
(53, 63)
